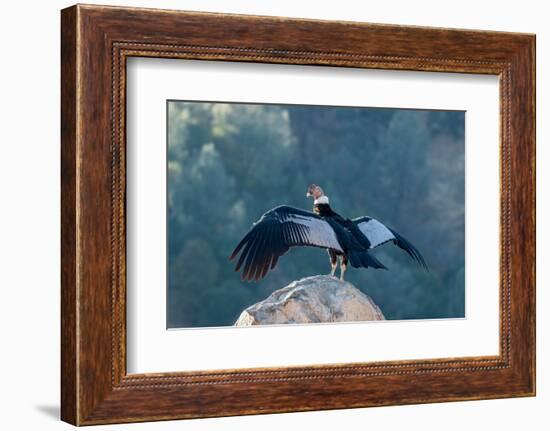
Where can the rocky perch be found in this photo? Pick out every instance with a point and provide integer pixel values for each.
(317, 299)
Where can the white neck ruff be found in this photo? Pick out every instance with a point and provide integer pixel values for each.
(321, 200)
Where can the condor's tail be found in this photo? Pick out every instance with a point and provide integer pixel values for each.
(362, 259)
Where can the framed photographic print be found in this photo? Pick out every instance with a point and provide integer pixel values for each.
(329, 214)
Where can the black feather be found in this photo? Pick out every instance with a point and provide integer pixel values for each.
(251, 253)
(410, 249)
(240, 245)
(252, 235)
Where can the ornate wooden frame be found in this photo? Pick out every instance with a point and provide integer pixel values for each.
(95, 42)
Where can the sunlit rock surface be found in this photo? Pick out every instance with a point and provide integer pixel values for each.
(317, 299)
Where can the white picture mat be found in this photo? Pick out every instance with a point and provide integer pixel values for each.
(153, 348)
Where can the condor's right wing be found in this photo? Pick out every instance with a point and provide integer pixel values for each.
(378, 234)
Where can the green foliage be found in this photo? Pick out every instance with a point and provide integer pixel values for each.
(230, 163)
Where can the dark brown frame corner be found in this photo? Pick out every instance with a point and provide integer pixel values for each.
(95, 43)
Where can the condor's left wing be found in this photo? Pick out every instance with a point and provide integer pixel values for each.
(275, 233)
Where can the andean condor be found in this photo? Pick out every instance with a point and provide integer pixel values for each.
(285, 226)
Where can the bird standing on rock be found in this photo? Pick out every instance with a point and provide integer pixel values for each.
(346, 240)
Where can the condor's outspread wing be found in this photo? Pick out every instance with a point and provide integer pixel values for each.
(273, 235)
(377, 233)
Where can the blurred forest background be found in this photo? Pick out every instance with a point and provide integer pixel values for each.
(229, 163)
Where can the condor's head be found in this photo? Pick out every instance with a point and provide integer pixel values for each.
(314, 191)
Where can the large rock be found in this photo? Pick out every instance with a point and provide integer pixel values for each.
(317, 299)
